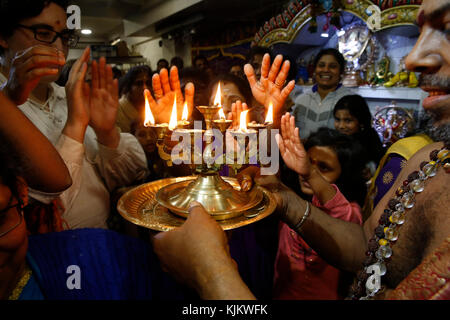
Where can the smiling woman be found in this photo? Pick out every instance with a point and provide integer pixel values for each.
(314, 108)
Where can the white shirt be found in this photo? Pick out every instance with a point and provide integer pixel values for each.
(95, 169)
(311, 112)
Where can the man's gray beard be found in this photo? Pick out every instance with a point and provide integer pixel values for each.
(428, 123)
(436, 132)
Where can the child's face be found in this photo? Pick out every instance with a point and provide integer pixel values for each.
(345, 123)
(136, 94)
(147, 138)
(326, 162)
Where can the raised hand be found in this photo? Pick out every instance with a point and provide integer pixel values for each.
(27, 69)
(104, 103)
(271, 87)
(236, 109)
(164, 88)
(291, 148)
(78, 97)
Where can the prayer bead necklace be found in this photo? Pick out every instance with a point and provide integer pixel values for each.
(368, 280)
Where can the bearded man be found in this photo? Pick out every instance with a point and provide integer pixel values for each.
(405, 255)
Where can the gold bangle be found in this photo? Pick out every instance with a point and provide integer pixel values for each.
(303, 219)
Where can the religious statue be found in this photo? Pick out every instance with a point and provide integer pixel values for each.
(403, 78)
(383, 73)
(392, 123)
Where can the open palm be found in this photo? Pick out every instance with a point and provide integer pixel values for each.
(104, 97)
(165, 88)
(78, 92)
(291, 148)
(270, 88)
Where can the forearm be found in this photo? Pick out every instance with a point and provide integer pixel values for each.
(340, 243)
(224, 284)
(44, 168)
(124, 164)
(322, 189)
(109, 139)
(75, 130)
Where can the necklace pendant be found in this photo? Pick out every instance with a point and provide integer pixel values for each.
(417, 185)
(442, 154)
(408, 200)
(397, 218)
(430, 169)
(384, 252)
(391, 234)
(447, 167)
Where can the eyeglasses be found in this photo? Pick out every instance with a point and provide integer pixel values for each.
(46, 35)
(9, 218)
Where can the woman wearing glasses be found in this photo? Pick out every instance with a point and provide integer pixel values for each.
(79, 121)
(112, 266)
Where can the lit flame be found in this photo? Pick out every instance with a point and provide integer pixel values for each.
(243, 121)
(185, 112)
(173, 117)
(217, 99)
(269, 116)
(221, 114)
(149, 119)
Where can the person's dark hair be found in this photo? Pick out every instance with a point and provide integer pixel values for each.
(65, 71)
(10, 166)
(178, 62)
(258, 50)
(163, 60)
(200, 57)
(367, 136)
(12, 12)
(126, 81)
(350, 154)
(240, 83)
(200, 80)
(117, 73)
(335, 53)
(194, 75)
(357, 107)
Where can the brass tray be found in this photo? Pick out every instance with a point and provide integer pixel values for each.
(139, 206)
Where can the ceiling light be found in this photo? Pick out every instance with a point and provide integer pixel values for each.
(86, 31)
(324, 35)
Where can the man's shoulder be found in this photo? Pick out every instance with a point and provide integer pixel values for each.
(423, 154)
(412, 165)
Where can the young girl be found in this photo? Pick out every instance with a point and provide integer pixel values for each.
(328, 168)
(352, 117)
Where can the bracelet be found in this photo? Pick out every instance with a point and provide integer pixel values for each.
(303, 219)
